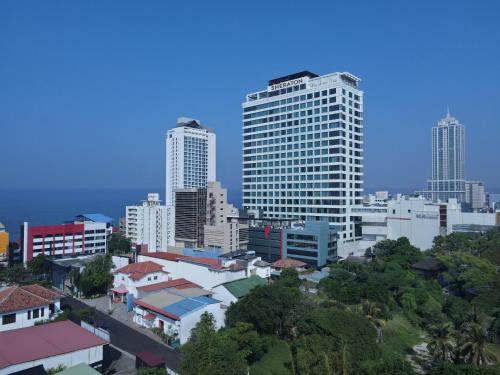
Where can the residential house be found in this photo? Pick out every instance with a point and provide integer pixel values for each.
(50, 345)
(127, 279)
(23, 306)
(176, 312)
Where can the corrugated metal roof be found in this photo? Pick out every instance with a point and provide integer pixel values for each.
(189, 304)
(240, 288)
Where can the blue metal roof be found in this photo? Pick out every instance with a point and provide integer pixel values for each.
(97, 218)
(188, 305)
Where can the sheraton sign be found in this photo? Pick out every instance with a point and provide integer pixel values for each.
(286, 84)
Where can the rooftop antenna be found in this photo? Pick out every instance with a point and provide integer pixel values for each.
(447, 110)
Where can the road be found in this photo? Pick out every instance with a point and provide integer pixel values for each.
(126, 338)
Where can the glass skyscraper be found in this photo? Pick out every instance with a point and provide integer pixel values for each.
(448, 161)
(303, 149)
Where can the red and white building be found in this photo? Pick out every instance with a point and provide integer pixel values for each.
(23, 306)
(50, 345)
(82, 237)
(135, 275)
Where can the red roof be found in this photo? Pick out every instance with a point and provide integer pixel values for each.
(288, 263)
(177, 284)
(214, 263)
(22, 297)
(137, 271)
(150, 359)
(43, 341)
(149, 317)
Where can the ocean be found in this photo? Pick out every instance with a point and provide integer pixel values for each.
(55, 206)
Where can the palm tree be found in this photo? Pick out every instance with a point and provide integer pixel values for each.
(441, 344)
(474, 348)
(371, 311)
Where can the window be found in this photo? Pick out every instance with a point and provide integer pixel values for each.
(8, 319)
(36, 313)
(29, 314)
(42, 311)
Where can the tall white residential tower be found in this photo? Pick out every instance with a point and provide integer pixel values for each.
(190, 157)
(303, 149)
(148, 224)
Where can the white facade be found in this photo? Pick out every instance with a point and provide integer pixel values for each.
(475, 197)
(132, 285)
(205, 275)
(180, 328)
(190, 157)
(149, 224)
(303, 149)
(28, 317)
(418, 219)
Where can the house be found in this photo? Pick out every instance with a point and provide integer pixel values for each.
(79, 369)
(176, 312)
(23, 306)
(284, 263)
(232, 291)
(210, 272)
(50, 345)
(127, 279)
(428, 267)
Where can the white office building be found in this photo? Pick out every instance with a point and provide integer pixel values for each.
(448, 161)
(475, 197)
(148, 224)
(303, 149)
(419, 220)
(190, 157)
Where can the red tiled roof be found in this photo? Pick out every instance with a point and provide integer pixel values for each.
(177, 283)
(137, 271)
(288, 263)
(149, 317)
(214, 263)
(22, 297)
(43, 341)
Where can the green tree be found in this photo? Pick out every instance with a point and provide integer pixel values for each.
(96, 278)
(289, 277)
(473, 348)
(210, 352)
(271, 309)
(118, 244)
(441, 344)
(37, 265)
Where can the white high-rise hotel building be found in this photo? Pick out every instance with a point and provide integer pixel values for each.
(303, 149)
(190, 150)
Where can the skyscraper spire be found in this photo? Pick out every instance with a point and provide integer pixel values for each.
(448, 111)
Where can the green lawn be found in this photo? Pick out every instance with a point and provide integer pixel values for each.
(399, 335)
(275, 362)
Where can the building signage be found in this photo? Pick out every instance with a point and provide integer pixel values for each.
(286, 84)
(427, 215)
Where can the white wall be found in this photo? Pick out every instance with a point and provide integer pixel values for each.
(201, 275)
(222, 294)
(189, 321)
(132, 285)
(22, 320)
(88, 356)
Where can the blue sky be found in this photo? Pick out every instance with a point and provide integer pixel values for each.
(89, 88)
